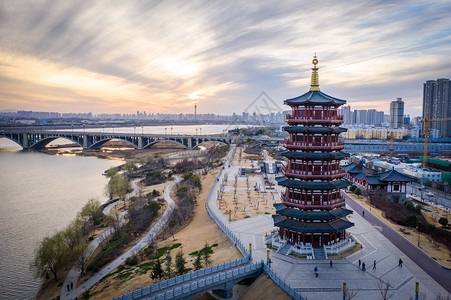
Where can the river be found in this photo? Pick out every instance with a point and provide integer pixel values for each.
(41, 193)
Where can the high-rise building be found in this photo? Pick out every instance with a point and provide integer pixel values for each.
(437, 105)
(396, 113)
(313, 212)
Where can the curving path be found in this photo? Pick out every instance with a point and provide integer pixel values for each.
(74, 275)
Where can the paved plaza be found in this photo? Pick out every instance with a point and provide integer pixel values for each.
(328, 285)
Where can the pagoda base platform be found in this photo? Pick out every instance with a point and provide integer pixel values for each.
(306, 250)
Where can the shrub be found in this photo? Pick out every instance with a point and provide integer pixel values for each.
(418, 207)
(430, 227)
(409, 205)
(358, 191)
(352, 188)
(411, 220)
(131, 261)
(443, 221)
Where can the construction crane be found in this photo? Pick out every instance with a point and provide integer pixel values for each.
(426, 121)
(391, 144)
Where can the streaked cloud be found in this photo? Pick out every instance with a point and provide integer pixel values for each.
(123, 56)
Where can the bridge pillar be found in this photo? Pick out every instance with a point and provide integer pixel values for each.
(25, 143)
(140, 143)
(190, 143)
(225, 293)
(85, 142)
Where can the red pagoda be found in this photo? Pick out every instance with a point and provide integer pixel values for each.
(312, 213)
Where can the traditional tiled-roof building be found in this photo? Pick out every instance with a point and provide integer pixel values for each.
(390, 185)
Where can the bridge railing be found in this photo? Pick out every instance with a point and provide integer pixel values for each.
(282, 284)
(194, 281)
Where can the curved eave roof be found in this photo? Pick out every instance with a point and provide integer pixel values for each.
(313, 155)
(312, 215)
(312, 227)
(314, 98)
(314, 129)
(324, 185)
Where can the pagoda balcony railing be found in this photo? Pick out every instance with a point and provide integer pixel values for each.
(314, 145)
(309, 119)
(315, 174)
(314, 204)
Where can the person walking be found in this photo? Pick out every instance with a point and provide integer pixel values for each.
(331, 263)
(68, 287)
(374, 264)
(363, 266)
(363, 213)
(71, 285)
(316, 271)
(360, 262)
(400, 263)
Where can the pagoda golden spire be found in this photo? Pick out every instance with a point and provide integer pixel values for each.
(314, 86)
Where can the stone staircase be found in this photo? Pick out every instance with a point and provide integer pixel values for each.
(318, 253)
(285, 249)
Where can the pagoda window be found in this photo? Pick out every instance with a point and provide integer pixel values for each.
(396, 187)
(317, 139)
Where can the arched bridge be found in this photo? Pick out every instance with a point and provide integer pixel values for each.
(35, 139)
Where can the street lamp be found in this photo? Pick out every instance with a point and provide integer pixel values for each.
(134, 129)
(171, 130)
(142, 129)
(418, 237)
(200, 131)
(103, 128)
(196, 131)
(165, 130)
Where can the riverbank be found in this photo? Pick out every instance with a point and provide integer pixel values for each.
(115, 150)
(190, 239)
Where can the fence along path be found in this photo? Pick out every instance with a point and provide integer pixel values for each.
(201, 280)
(114, 264)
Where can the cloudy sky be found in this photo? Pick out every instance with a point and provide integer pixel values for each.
(158, 56)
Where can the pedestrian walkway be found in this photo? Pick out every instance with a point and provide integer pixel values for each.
(328, 285)
(74, 275)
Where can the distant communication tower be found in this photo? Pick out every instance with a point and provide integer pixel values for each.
(195, 110)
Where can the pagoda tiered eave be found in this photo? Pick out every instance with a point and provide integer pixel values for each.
(312, 227)
(312, 185)
(312, 129)
(314, 98)
(312, 214)
(314, 155)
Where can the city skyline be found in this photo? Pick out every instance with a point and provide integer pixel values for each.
(162, 58)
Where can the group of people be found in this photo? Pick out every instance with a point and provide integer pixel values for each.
(361, 265)
(70, 286)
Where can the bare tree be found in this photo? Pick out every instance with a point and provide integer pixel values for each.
(350, 294)
(115, 221)
(384, 289)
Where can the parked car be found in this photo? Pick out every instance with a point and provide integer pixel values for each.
(430, 194)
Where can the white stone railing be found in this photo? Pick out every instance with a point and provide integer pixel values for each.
(340, 247)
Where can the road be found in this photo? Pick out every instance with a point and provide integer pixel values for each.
(438, 198)
(430, 266)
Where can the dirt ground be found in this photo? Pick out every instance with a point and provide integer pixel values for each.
(193, 237)
(264, 288)
(437, 251)
(246, 202)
